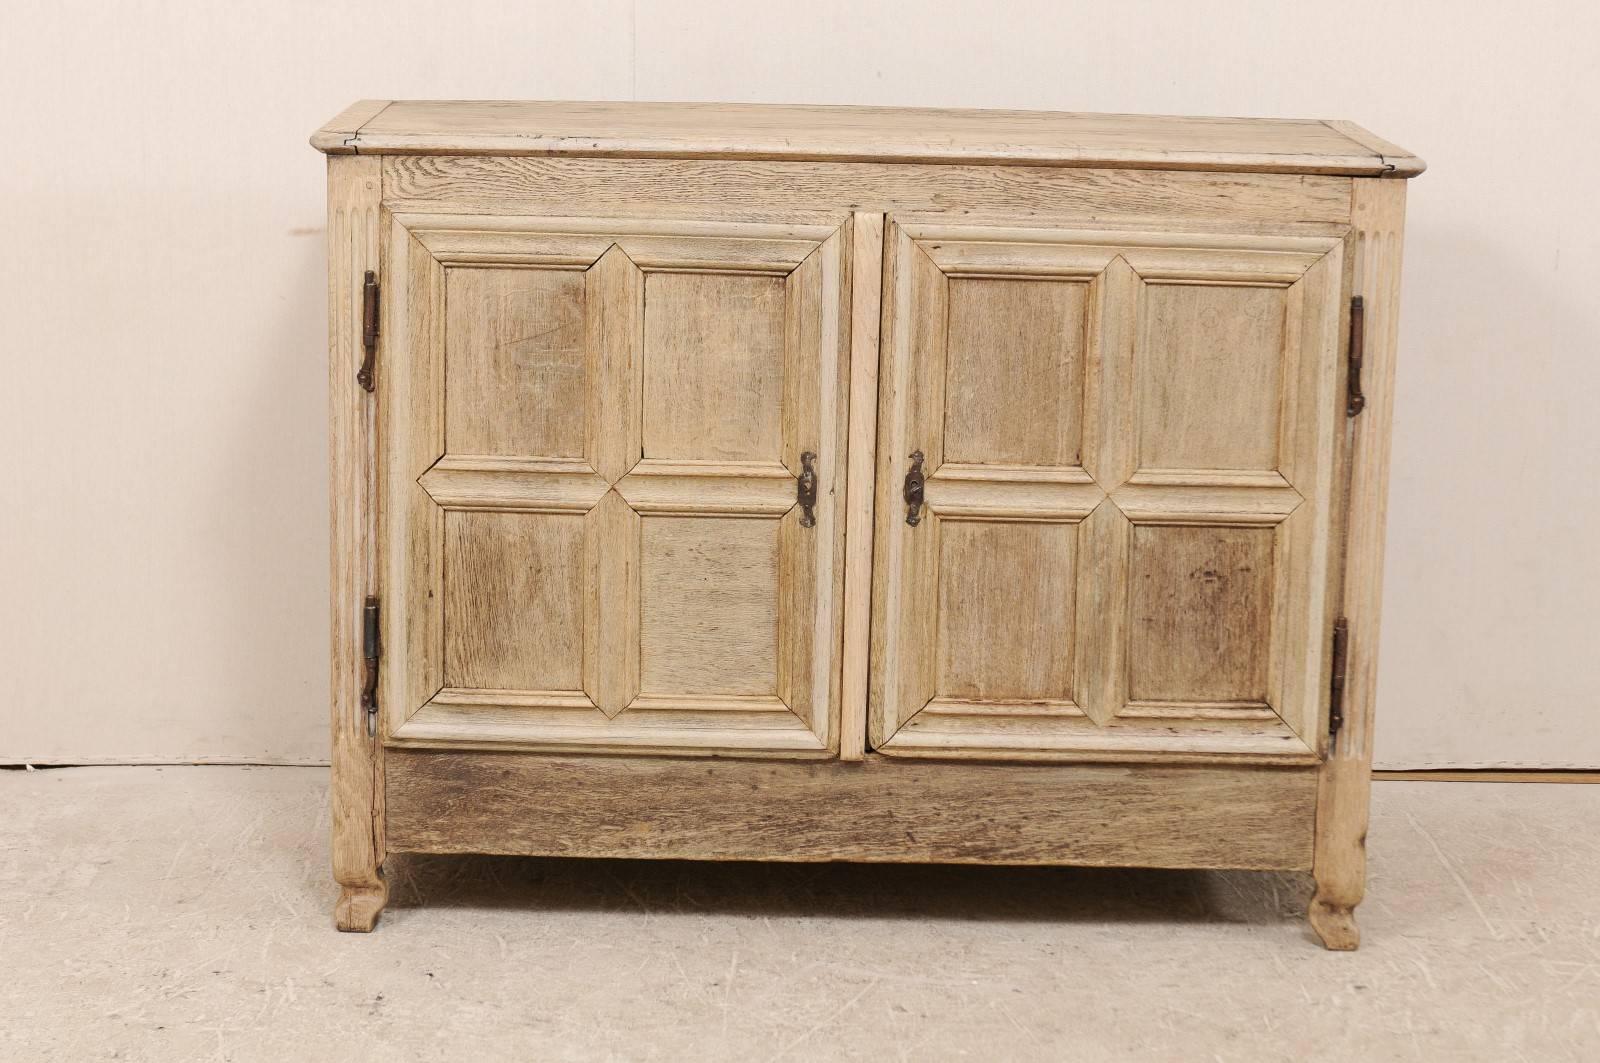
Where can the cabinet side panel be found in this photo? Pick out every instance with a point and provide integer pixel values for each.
(1345, 789)
(357, 760)
(881, 809)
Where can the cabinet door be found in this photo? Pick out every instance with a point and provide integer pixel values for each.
(1129, 443)
(595, 434)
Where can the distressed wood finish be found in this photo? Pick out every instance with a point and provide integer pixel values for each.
(615, 341)
(866, 281)
(596, 431)
(878, 810)
(1345, 789)
(356, 793)
(746, 190)
(767, 131)
(1132, 432)
(338, 136)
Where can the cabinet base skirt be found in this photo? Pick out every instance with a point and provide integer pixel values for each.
(879, 810)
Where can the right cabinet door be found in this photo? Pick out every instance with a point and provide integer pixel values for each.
(1130, 447)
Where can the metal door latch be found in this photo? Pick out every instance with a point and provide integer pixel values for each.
(806, 490)
(914, 488)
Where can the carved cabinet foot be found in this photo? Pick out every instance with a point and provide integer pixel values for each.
(359, 907)
(1335, 924)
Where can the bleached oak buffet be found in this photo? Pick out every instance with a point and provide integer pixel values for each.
(824, 483)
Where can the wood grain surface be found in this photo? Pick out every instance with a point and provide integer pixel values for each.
(875, 810)
(923, 134)
(1346, 789)
(356, 796)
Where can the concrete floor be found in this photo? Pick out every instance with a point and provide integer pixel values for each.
(184, 914)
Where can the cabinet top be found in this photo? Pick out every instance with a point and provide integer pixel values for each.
(860, 134)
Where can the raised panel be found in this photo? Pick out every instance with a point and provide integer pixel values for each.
(614, 292)
(1209, 365)
(1014, 368)
(1130, 439)
(1006, 600)
(515, 365)
(714, 360)
(1201, 600)
(596, 430)
(709, 595)
(611, 604)
(513, 600)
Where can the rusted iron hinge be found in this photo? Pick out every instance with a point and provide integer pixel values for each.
(371, 650)
(1341, 652)
(369, 329)
(1354, 401)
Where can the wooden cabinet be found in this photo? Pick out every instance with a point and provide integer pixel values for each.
(812, 483)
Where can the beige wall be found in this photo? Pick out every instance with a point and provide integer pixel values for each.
(162, 538)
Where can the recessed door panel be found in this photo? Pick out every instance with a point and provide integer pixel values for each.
(710, 606)
(1209, 363)
(1014, 371)
(1200, 611)
(513, 608)
(713, 377)
(516, 368)
(593, 505)
(1006, 584)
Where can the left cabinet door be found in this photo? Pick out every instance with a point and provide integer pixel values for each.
(598, 437)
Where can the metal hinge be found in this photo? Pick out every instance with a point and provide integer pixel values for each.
(1341, 651)
(369, 329)
(371, 650)
(1354, 401)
